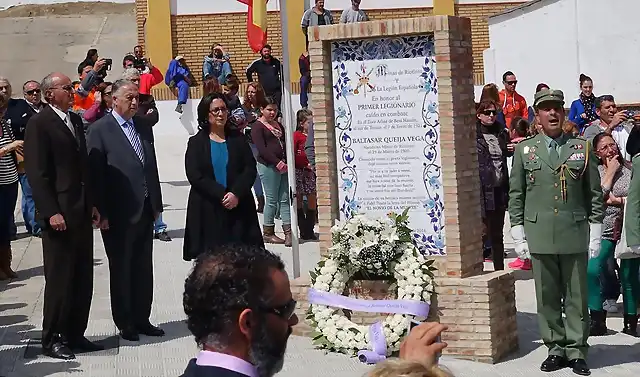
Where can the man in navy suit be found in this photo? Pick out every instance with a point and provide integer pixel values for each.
(240, 309)
(125, 178)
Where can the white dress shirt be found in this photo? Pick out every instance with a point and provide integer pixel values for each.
(65, 118)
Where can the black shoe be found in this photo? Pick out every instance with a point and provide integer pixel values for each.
(579, 366)
(58, 351)
(598, 326)
(553, 363)
(130, 334)
(162, 236)
(150, 330)
(85, 345)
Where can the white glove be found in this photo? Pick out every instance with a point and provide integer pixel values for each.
(595, 234)
(520, 242)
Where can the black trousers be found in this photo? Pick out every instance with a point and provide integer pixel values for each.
(68, 289)
(129, 248)
(494, 221)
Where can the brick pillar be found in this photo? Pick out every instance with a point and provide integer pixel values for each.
(458, 150)
(324, 139)
(478, 307)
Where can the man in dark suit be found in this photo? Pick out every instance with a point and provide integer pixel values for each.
(127, 188)
(18, 114)
(57, 167)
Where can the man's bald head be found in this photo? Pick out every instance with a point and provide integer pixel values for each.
(58, 90)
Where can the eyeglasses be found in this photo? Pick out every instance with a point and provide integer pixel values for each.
(217, 110)
(33, 91)
(490, 112)
(511, 82)
(66, 88)
(285, 311)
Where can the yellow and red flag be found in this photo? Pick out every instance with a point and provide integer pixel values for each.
(256, 23)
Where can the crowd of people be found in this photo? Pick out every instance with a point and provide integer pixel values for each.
(571, 193)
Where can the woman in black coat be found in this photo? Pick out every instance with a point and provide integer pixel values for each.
(221, 170)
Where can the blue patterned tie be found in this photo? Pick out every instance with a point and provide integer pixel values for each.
(136, 144)
(134, 139)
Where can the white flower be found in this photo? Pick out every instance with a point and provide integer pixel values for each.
(369, 238)
(389, 234)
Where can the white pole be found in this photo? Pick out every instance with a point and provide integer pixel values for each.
(288, 119)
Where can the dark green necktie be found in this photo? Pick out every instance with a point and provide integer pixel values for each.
(553, 153)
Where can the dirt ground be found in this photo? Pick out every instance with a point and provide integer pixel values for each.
(68, 9)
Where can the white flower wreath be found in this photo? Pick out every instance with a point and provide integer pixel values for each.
(386, 250)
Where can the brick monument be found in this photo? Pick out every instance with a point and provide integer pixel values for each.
(478, 307)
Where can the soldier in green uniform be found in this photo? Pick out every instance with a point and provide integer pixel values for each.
(556, 211)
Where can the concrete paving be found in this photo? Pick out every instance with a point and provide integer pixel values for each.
(21, 315)
(37, 46)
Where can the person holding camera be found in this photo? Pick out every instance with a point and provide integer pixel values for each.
(217, 65)
(150, 76)
(90, 77)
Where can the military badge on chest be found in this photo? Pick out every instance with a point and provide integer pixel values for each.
(531, 159)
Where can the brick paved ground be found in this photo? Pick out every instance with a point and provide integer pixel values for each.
(21, 315)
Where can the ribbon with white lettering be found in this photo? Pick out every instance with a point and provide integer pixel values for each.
(376, 333)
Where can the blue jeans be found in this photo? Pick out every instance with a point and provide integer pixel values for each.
(183, 92)
(28, 206)
(159, 226)
(257, 185)
(276, 192)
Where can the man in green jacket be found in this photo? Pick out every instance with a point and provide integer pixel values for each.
(556, 211)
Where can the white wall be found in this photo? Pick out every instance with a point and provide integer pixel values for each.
(172, 124)
(9, 3)
(553, 41)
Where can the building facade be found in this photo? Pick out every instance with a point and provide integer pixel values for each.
(189, 27)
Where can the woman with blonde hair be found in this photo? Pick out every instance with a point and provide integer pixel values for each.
(253, 100)
(407, 368)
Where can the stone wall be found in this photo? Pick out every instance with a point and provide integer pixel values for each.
(193, 35)
(479, 307)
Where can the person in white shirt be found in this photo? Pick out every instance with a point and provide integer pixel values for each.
(353, 14)
(613, 122)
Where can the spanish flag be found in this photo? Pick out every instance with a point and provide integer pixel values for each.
(256, 23)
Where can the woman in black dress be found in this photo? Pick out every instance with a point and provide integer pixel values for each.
(221, 170)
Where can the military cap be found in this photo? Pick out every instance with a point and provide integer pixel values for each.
(548, 95)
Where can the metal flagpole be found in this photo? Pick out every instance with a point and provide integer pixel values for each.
(289, 126)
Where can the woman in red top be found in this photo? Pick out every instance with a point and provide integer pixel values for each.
(305, 177)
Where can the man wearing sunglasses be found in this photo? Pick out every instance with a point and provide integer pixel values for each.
(18, 114)
(240, 309)
(513, 104)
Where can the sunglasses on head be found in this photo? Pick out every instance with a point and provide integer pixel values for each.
(490, 112)
(33, 91)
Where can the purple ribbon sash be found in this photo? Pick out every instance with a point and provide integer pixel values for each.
(376, 333)
(416, 308)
